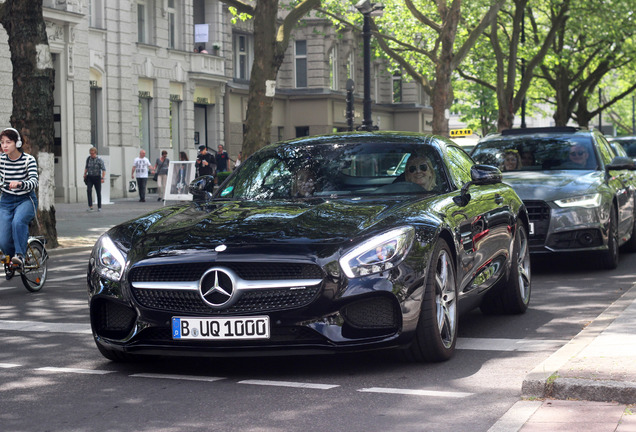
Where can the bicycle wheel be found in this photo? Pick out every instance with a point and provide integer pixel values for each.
(35, 266)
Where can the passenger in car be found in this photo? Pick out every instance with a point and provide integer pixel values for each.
(511, 160)
(304, 184)
(419, 170)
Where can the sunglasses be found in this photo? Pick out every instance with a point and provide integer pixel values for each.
(423, 167)
(578, 153)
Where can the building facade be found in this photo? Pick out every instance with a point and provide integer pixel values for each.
(129, 76)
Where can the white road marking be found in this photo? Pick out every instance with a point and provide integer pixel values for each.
(62, 279)
(74, 370)
(38, 326)
(488, 344)
(7, 288)
(289, 384)
(177, 377)
(415, 392)
(9, 365)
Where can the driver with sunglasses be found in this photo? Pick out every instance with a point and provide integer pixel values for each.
(419, 170)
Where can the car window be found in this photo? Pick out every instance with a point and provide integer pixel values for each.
(326, 170)
(607, 153)
(459, 163)
(535, 153)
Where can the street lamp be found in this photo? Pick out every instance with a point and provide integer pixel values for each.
(367, 9)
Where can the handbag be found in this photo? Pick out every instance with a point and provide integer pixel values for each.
(132, 186)
(154, 177)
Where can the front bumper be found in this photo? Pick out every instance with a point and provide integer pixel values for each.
(555, 229)
(337, 315)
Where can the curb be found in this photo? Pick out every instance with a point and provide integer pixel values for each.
(544, 381)
(592, 390)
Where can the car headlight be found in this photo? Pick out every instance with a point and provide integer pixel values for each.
(379, 253)
(109, 260)
(586, 201)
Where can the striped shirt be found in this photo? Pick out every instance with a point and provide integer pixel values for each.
(24, 169)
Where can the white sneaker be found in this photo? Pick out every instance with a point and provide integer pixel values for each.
(18, 261)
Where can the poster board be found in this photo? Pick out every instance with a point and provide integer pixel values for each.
(180, 174)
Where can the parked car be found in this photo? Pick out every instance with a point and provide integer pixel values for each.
(627, 142)
(317, 245)
(579, 194)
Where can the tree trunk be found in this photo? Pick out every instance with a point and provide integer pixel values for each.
(32, 115)
(562, 92)
(265, 67)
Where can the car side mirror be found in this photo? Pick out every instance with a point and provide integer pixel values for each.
(485, 174)
(202, 188)
(621, 163)
(480, 175)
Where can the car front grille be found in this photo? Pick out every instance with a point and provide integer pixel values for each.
(539, 215)
(249, 301)
(254, 301)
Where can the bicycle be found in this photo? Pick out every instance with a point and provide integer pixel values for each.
(34, 271)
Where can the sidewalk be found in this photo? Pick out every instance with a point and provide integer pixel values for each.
(78, 228)
(587, 385)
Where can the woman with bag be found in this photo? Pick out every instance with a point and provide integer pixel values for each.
(161, 174)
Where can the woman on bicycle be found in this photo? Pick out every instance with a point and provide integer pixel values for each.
(18, 202)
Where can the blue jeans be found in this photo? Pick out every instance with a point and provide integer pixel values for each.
(16, 212)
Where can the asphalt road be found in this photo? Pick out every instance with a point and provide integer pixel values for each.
(52, 378)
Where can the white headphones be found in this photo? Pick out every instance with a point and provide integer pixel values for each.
(18, 143)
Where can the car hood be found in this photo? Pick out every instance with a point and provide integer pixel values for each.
(553, 185)
(253, 223)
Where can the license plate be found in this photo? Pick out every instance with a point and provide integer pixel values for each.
(220, 328)
(531, 228)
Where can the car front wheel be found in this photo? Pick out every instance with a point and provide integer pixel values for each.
(436, 332)
(609, 258)
(512, 295)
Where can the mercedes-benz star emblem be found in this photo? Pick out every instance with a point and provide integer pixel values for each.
(216, 287)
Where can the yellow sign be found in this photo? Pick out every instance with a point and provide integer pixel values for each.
(460, 132)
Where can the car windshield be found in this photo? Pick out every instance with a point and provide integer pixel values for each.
(335, 169)
(533, 153)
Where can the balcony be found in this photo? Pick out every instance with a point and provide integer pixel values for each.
(206, 65)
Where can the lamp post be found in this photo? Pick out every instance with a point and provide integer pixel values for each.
(366, 8)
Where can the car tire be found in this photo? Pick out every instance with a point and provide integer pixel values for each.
(436, 332)
(512, 294)
(609, 258)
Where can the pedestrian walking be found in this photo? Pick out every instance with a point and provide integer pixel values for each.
(140, 168)
(205, 163)
(94, 174)
(161, 174)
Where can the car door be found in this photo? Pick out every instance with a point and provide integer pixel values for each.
(623, 185)
(482, 226)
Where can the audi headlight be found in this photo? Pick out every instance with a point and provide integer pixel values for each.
(109, 260)
(379, 253)
(586, 201)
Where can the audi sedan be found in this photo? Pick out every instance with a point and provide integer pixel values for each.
(579, 194)
(319, 244)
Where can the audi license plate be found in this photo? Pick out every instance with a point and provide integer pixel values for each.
(256, 327)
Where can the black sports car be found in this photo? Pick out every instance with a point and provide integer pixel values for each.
(334, 243)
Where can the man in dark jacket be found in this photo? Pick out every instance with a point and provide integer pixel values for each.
(205, 162)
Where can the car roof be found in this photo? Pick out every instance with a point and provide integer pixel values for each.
(557, 131)
(386, 137)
